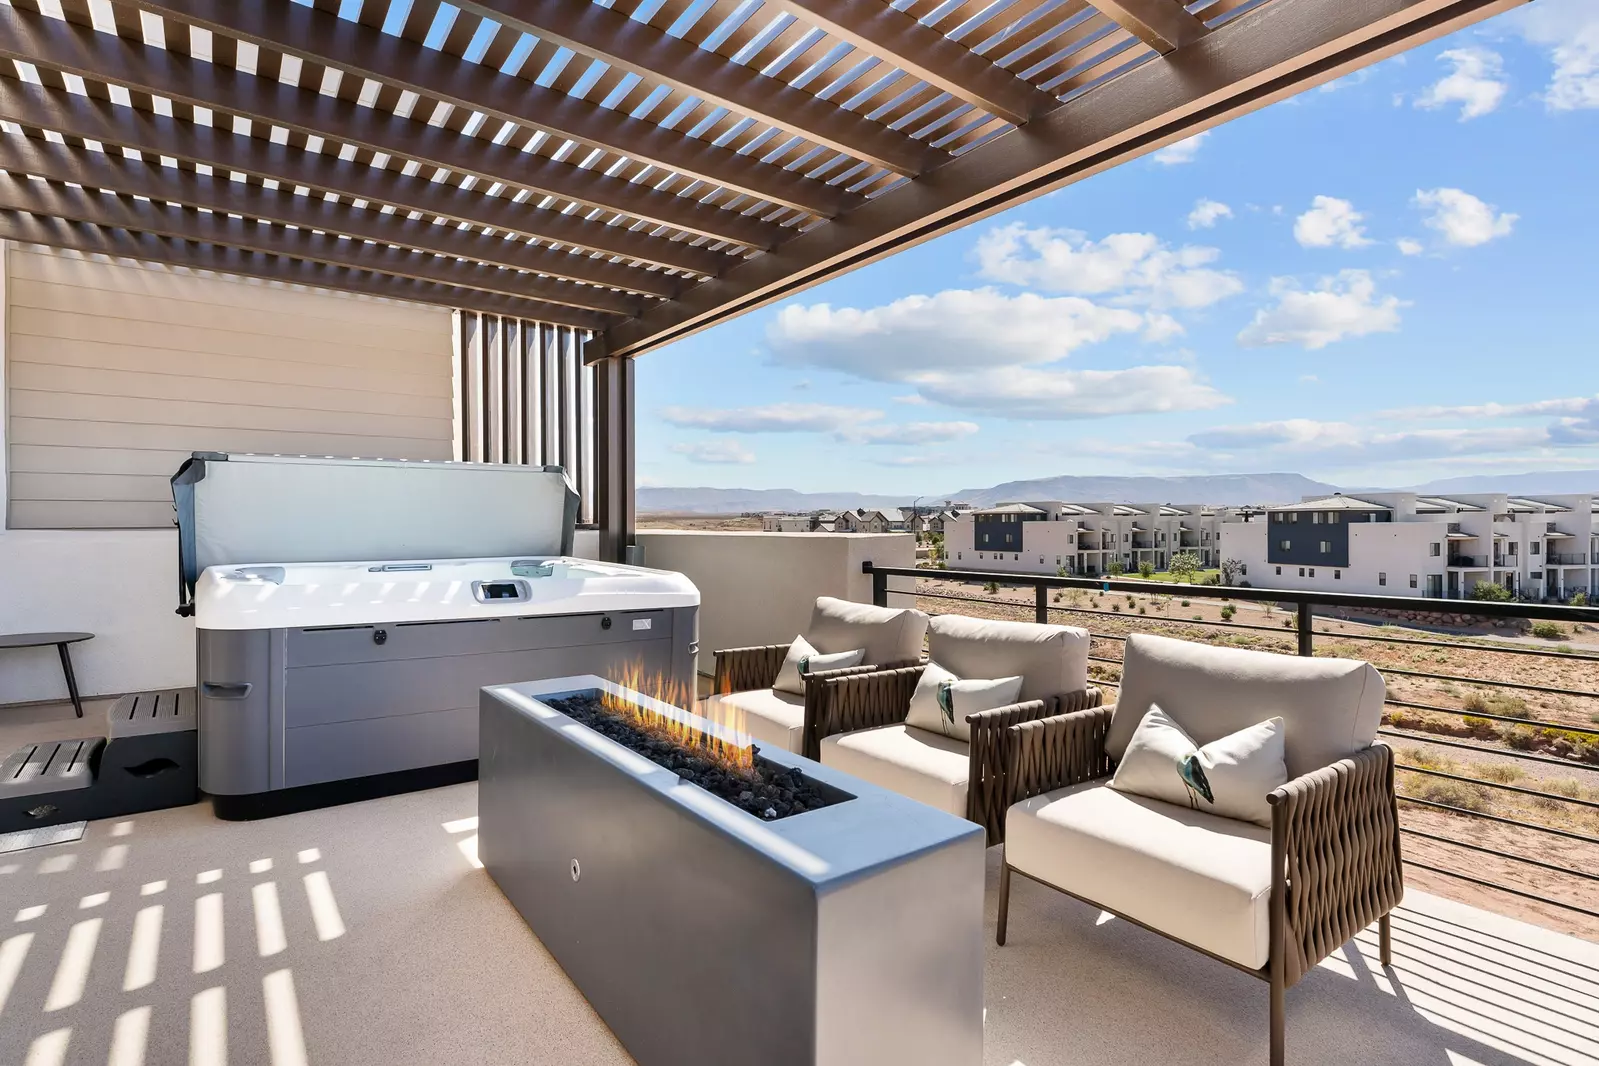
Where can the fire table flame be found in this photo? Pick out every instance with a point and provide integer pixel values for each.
(721, 741)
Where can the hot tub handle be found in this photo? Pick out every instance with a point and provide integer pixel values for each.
(225, 690)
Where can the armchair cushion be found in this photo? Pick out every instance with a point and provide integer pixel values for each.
(803, 660)
(1201, 879)
(1049, 659)
(928, 767)
(942, 701)
(769, 716)
(1230, 777)
(1330, 707)
(889, 635)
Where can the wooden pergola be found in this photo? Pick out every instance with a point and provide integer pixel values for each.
(640, 169)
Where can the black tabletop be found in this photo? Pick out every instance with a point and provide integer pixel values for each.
(39, 640)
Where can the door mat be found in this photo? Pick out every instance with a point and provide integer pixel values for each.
(23, 839)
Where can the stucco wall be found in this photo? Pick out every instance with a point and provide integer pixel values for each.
(759, 588)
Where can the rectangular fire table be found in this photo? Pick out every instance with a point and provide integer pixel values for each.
(847, 934)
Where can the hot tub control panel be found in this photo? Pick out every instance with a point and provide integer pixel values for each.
(500, 591)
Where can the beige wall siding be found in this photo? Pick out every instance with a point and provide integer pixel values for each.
(114, 373)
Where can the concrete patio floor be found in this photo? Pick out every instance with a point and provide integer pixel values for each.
(366, 933)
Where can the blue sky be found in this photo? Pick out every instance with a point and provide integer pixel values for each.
(1387, 280)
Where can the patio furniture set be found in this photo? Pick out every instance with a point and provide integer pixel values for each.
(1234, 801)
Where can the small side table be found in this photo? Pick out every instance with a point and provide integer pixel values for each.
(61, 641)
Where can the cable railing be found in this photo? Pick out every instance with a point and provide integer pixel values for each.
(1543, 770)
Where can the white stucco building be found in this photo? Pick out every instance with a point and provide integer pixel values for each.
(1046, 536)
(1403, 544)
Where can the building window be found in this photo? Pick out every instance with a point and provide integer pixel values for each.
(1412, 580)
(1435, 550)
(1294, 518)
(1279, 571)
(959, 556)
(1315, 518)
(1279, 517)
(1512, 547)
(1533, 547)
(1332, 518)
(1285, 545)
(1243, 569)
(1382, 578)
(1338, 575)
(1301, 571)
(1313, 571)
(1326, 547)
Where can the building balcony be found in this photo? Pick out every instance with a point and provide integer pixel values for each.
(1469, 562)
(1566, 559)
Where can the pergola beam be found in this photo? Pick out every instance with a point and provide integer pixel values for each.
(150, 248)
(143, 216)
(659, 57)
(80, 50)
(86, 118)
(100, 170)
(1273, 52)
(322, 37)
(896, 38)
(1164, 25)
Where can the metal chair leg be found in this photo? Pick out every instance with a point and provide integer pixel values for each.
(1279, 1051)
(1385, 935)
(1004, 904)
(72, 680)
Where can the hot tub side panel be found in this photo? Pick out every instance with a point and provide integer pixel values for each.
(285, 708)
(694, 949)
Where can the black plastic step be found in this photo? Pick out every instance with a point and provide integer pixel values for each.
(49, 766)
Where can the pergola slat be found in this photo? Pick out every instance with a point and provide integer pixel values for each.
(1270, 53)
(142, 216)
(88, 54)
(324, 38)
(37, 107)
(894, 37)
(643, 50)
(1164, 25)
(99, 170)
(150, 248)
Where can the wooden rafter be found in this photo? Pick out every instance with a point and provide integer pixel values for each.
(86, 118)
(898, 39)
(323, 37)
(1164, 25)
(659, 57)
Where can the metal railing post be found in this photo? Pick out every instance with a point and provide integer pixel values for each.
(1040, 604)
(1307, 634)
(879, 584)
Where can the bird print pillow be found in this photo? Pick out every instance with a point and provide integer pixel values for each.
(1230, 777)
(942, 701)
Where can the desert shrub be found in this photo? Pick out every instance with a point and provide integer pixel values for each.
(1288, 623)
(1502, 772)
(1142, 611)
(1481, 728)
(1227, 612)
(1563, 786)
(1489, 592)
(1146, 569)
(1520, 737)
(1185, 603)
(1116, 607)
(1459, 794)
(1549, 630)
(991, 588)
(1580, 600)
(1427, 760)
(1499, 703)
(1201, 618)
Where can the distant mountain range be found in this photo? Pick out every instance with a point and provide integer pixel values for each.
(1227, 489)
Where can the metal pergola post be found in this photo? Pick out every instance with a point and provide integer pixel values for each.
(614, 412)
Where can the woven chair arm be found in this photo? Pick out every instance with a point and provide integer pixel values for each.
(743, 669)
(985, 779)
(1055, 752)
(863, 700)
(1335, 836)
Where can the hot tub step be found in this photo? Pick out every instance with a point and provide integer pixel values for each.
(48, 782)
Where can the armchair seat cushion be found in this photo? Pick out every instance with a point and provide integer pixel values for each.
(771, 718)
(924, 766)
(1196, 877)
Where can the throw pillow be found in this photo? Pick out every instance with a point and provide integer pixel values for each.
(942, 701)
(1230, 777)
(803, 660)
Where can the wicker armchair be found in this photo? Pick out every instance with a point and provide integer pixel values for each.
(1275, 902)
(850, 701)
(744, 676)
(861, 726)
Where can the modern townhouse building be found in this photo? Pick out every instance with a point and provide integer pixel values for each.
(1404, 544)
(1047, 536)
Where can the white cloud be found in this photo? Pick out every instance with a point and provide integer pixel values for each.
(1345, 442)
(1181, 152)
(1461, 218)
(1346, 305)
(1409, 246)
(1129, 268)
(954, 330)
(852, 425)
(1475, 82)
(1330, 222)
(1570, 29)
(1162, 328)
(772, 418)
(1029, 393)
(1568, 405)
(716, 452)
(914, 398)
(1207, 213)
